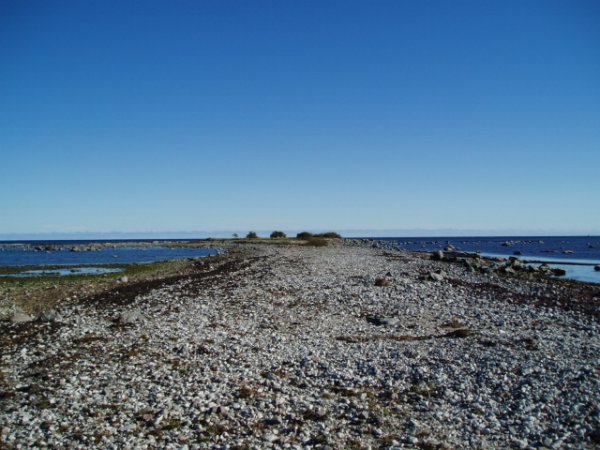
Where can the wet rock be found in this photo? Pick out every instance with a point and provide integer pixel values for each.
(597, 268)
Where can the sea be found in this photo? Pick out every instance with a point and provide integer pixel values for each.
(577, 255)
(43, 258)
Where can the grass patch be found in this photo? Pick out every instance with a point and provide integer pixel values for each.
(38, 294)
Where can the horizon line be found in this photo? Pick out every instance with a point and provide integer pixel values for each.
(348, 233)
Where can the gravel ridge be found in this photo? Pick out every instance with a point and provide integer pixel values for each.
(344, 346)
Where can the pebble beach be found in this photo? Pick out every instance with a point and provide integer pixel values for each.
(292, 346)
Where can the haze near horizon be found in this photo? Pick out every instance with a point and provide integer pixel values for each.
(165, 117)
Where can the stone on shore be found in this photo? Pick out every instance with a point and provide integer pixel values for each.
(21, 317)
(383, 281)
(438, 275)
(438, 255)
(50, 316)
(130, 317)
(383, 321)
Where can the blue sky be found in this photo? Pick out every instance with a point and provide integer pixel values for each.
(375, 115)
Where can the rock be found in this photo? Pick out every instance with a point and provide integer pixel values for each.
(438, 275)
(122, 280)
(559, 272)
(383, 321)
(437, 256)
(518, 253)
(514, 261)
(130, 317)
(50, 316)
(383, 281)
(21, 317)
(597, 268)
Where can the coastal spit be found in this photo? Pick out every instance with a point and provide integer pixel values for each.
(344, 346)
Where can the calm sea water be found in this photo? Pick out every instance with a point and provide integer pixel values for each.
(23, 254)
(580, 253)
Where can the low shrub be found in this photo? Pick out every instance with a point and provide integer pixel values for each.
(304, 235)
(278, 235)
(329, 235)
(251, 235)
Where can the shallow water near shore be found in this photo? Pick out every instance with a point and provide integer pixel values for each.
(577, 255)
(63, 272)
(576, 269)
(555, 247)
(15, 256)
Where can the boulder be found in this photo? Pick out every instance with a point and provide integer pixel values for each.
(597, 268)
(383, 321)
(49, 316)
(129, 317)
(438, 275)
(21, 317)
(559, 272)
(437, 256)
(383, 281)
(122, 280)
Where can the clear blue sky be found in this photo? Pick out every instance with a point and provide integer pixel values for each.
(222, 115)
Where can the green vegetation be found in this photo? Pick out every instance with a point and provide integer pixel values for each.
(305, 235)
(37, 294)
(278, 235)
(329, 235)
(251, 235)
(317, 240)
